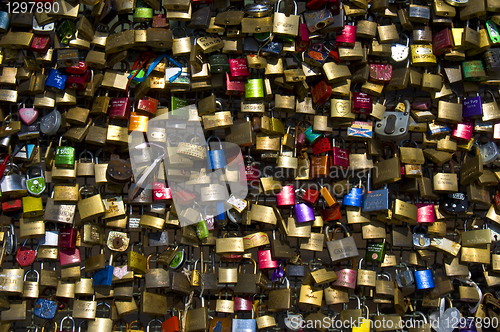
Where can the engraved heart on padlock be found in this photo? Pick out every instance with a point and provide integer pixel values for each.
(449, 320)
(28, 115)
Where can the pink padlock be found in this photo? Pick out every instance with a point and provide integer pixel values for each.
(347, 37)
(161, 191)
(425, 213)
(303, 41)
(239, 69)
(242, 304)
(463, 131)
(69, 256)
(346, 278)
(266, 260)
(78, 82)
(119, 108)
(28, 115)
(286, 197)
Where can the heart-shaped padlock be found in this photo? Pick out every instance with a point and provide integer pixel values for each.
(25, 256)
(28, 115)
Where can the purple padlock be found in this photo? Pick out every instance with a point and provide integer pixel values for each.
(286, 197)
(304, 213)
(472, 107)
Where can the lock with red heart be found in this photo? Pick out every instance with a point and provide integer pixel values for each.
(25, 256)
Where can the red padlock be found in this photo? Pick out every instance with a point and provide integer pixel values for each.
(361, 103)
(171, 324)
(266, 260)
(442, 42)
(239, 69)
(321, 93)
(322, 145)
(119, 108)
(234, 87)
(78, 82)
(12, 205)
(184, 197)
(311, 196)
(331, 213)
(25, 256)
(242, 304)
(497, 201)
(40, 43)
(347, 37)
(251, 170)
(340, 155)
(161, 191)
(78, 69)
(380, 73)
(147, 104)
(69, 256)
(463, 131)
(67, 238)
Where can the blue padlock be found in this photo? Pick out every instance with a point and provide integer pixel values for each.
(221, 211)
(312, 136)
(103, 277)
(4, 21)
(45, 309)
(354, 197)
(216, 158)
(56, 81)
(472, 107)
(424, 279)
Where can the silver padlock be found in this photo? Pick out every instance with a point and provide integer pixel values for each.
(421, 238)
(394, 124)
(404, 278)
(13, 183)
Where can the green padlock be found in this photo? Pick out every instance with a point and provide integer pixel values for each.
(140, 74)
(474, 71)
(177, 104)
(142, 12)
(66, 31)
(65, 156)
(254, 88)
(375, 252)
(178, 260)
(35, 181)
(219, 63)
